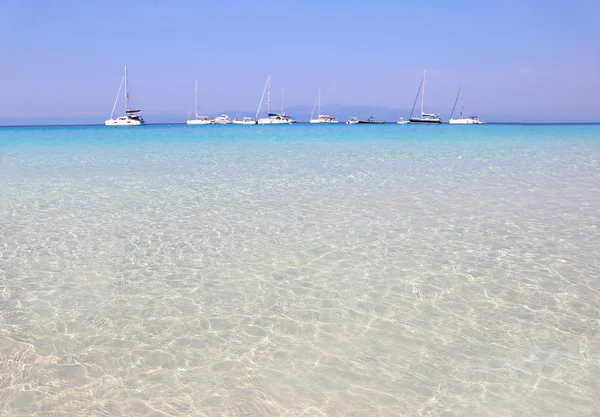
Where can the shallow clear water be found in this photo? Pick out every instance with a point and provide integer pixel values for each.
(300, 270)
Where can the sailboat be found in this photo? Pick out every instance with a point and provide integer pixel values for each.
(425, 117)
(471, 120)
(131, 117)
(198, 120)
(272, 118)
(321, 118)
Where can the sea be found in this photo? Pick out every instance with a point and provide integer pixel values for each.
(300, 270)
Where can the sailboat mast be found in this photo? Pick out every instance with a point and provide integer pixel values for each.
(423, 91)
(319, 102)
(267, 84)
(282, 101)
(196, 98)
(126, 92)
(117, 98)
(456, 101)
(416, 98)
(269, 96)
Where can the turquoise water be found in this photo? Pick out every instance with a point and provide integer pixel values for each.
(300, 270)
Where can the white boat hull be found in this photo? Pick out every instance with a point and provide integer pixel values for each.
(270, 121)
(199, 122)
(466, 121)
(244, 122)
(327, 122)
(222, 120)
(126, 122)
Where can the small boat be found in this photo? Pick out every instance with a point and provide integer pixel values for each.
(471, 120)
(321, 118)
(462, 120)
(222, 120)
(199, 120)
(426, 118)
(245, 121)
(402, 121)
(131, 117)
(371, 121)
(272, 118)
(352, 121)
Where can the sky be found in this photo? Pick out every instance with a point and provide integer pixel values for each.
(62, 61)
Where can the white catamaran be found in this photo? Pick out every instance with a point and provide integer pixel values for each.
(198, 120)
(272, 118)
(427, 118)
(471, 120)
(131, 117)
(321, 118)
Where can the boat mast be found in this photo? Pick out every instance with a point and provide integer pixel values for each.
(423, 91)
(269, 96)
(456, 101)
(416, 98)
(126, 91)
(282, 101)
(263, 96)
(319, 103)
(117, 98)
(196, 98)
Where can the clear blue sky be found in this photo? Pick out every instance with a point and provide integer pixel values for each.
(62, 60)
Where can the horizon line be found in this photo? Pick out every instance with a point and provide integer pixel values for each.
(298, 123)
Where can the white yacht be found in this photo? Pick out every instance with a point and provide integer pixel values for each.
(201, 120)
(352, 121)
(272, 118)
(462, 120)
(402, 121)
(426, 118)
(245, 121)
(222, 120)
(198, 120)
(321, 118)
(131, 117)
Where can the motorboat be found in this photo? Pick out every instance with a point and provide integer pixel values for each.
(371, 121)
(245, 121)
(222, 120)
(471, 120)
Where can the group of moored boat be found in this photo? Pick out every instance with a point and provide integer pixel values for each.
(134, 117)
(429, 118)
